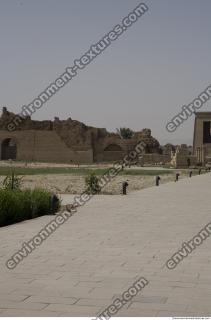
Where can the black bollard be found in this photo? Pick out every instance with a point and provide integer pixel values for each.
(190, 174)
(157, 181)
(177, 177)
(53, 203)
(124, 187)
(199, 171)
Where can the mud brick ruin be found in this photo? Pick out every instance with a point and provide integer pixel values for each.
(66, 141)
(71, 141)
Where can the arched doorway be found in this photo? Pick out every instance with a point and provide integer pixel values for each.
(113, 147)
(112, 152)
(8, 149)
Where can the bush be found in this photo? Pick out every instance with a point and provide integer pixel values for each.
(125, 133)
(18, 205)
(92, 184)
(12, 181)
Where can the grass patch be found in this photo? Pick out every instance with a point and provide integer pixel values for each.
(19, 205)
(137, 172)
(79, 171)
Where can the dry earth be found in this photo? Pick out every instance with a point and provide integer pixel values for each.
(75, 183)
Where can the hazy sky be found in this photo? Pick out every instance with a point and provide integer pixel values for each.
(140, 81)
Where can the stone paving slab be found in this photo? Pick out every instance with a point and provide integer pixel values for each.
(105, 247)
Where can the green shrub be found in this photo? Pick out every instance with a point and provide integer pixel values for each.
(125, 133)
(92, 184)
(41, 202)
(19, 205)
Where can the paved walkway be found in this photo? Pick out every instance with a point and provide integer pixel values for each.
(105, 247)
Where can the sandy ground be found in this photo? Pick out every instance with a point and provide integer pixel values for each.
(75, 184)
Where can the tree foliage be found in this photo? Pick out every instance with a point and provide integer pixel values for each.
(125, 133)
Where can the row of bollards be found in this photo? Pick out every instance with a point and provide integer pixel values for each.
(158, 178)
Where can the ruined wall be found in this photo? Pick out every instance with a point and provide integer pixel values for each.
(152, 144)
(69, 140)
(46, 146)
(112, 147)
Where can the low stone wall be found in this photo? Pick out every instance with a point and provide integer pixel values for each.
(181, 161)
(155, 158)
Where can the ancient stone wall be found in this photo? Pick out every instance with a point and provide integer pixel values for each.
(45, 146)
(151, 159)
(68, 140)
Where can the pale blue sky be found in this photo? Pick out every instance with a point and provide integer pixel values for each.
(141, 81)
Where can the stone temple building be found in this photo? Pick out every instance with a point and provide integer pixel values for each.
(202, 137)
(66, 141)
(201, 152)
